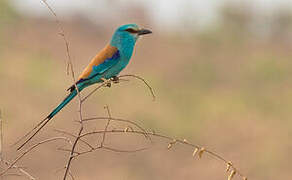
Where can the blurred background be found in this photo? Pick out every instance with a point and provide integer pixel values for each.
(221, 71)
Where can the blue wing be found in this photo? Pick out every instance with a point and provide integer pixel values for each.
(106, 65)
(103, 67)
(98, 70)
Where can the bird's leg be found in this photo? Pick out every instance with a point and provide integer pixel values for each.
(108, 84)
(115, 79)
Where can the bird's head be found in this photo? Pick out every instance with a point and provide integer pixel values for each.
(128, 34)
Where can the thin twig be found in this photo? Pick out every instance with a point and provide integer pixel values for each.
(1, 153)
(124, 151)
(62, 33)
(70, 64)
(119, 120)
(67, 133)
(20, 170)
(213, 154)
(106, 126)
(11, 174)
(126, 75)
(30, 149)
(144, 81)
(73, 150)
(98, 87)
(71, 175)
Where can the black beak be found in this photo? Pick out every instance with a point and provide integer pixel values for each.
(144, 31)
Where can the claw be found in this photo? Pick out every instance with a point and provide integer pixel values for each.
(115, 79)
(108, 84)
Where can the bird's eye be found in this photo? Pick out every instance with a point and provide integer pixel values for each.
(130, 30)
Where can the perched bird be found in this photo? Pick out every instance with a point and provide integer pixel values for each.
(108, 63)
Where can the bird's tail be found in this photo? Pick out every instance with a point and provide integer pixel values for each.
(62, 104)
(41, 124)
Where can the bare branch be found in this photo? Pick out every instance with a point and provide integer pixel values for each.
(119, 120)
(213, 154)
(124, 151)
(107, 124)
(30, 149)
(73, 150)
(127, 75)
(72, 135)
(71, 175)
(97, 88)
(143, 80)
(5, 161)
(70, 64)
(20, 170)
(62, 33)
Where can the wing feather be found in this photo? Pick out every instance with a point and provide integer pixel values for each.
(107, 53)
(108, 63)
(103, 61)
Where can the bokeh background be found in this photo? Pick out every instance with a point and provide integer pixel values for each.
(221, 71)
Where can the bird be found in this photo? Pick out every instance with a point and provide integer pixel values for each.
(107, 64)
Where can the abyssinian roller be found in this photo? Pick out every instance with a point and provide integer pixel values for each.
(108, 63)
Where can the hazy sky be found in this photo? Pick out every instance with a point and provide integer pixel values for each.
(163, 12)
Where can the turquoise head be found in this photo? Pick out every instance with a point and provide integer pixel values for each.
(126, 36)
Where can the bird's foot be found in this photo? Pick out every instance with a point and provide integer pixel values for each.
(115, 79)
(107, 84)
